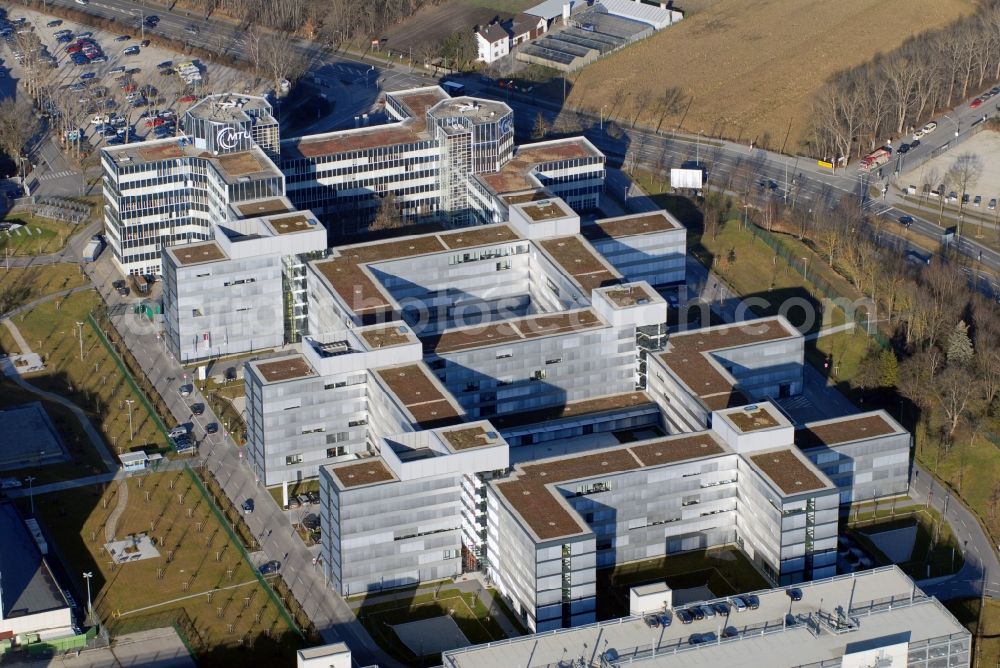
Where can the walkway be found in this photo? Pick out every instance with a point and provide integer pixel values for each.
(847, 326)
(111, 525)
(22, 345)
(62, 485)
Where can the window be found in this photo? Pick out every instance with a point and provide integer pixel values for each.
(504, 354)
(313, 430)
(357, 423)
(240, 282)
(503, 264)
(292, 460)
(472, 386)
(538, 374)
(338, 451)
(338, 437)
(554, 360)
(196, 313)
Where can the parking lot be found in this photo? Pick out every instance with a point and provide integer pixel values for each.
(986, 185)
(115, 89)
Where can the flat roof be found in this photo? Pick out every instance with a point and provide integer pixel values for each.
(366, 472)
(232, 166)
(509, 331)
(206, 251)
(629, 295)
(29, 587)
(479, 236)
(359, 291)
(415, 388)
(844, 430)
(579, 259)
(687, 356)
(284, 368)
(476, 109)
(346, 141)
(469, 437)
(239, 164)
(627, 226)
(513, 176)
(263, 207)
(609, 402)
(545, 209)
(864, 592)
(417, 101)
(387, 336)
(759, 417)
(212, 107)
(542, 508)
(291, 224)
(788, 471)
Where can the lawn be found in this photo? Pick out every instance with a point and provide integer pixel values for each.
(94, 383)
(412, 605)
(751, 69)
(726, 571)
(988, 644)
(201, 576)
(21, 285)
(38, 236)
(294, 488)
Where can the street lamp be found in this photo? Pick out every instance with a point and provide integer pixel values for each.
(31, 496)
(954, 122)
(90, 607)
(131, 434)
(602, 117)
(79, 329)
(697, 150)
(805, 268)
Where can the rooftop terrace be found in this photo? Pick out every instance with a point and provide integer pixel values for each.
(387, 336)
(630, 295)
(264, 207)
(469, 438)
(291, 224)
(627, 226)
(334, 143)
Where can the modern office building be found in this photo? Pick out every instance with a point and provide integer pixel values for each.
(173, 191)
(872, 618)
(524, 329)
(244, 290)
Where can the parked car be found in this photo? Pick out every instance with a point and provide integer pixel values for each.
(665, 618)
(187, 98)
(144, 43)
(212, 428)
(992, 204)
(123, 38)
(198, 409)
(977, 200)
(313, 497)
(697, 612)
(721, 608)
(185, 390)
(247, 506)
(652, 621)
(914, 144)
(903, 149)
(906, 221)
(269, 567)
(64, 39)
(130, 50)
(930, 127)
(752, 601)
(685, 616)
(54, 23)
(179, 430)
(976, 103)
(88, 75)
(794, 593)
(101, 58)
(738, 604)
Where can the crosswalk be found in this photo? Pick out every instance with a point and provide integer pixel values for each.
(51, 176)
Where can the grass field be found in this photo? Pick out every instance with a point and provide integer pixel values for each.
(466, 609)
(987, 654)
(21, 285)
(46, 235)
(752, 67)
(196, 558)
(95, 383)
(725, 571)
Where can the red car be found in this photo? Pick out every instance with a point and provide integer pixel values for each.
(154, 122)
(975, 103)
(74, 48)
(129, 88)
(187, 98)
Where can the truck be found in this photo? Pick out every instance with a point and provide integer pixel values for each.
(875, 159)
(93, 249)
(453, 88)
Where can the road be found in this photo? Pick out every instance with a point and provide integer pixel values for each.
(278, 540)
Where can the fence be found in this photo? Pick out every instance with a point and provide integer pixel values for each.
(862, 317)
(177, 618)
(60, 645)
(233, 537)
(129, 378)
(56, 208)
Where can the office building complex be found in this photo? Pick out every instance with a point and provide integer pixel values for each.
(173, 191)
(872, 618)
(447, 161)
(245, 289)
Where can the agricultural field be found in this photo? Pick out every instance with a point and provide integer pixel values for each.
(751, 68)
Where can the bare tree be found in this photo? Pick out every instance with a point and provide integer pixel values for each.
(17, 125)
(963, 173)
(388, 216)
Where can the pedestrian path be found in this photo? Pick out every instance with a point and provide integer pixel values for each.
(112, 524)
(51, 176)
